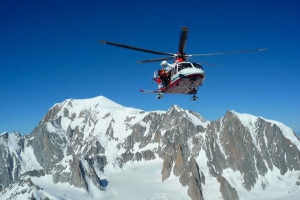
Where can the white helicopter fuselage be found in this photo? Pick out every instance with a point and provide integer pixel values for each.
(185, 77)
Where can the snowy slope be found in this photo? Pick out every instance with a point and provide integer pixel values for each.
(250, 120)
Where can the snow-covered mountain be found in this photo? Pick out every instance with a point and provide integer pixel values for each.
(98, 149)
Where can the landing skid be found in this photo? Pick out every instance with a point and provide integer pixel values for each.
(159, 96)
(194, 98)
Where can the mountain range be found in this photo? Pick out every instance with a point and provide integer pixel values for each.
(98, 149)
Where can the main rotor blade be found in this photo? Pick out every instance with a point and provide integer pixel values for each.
(135, 48)
(230, 52)
(155, 60)
(208, 64)
(182, 40)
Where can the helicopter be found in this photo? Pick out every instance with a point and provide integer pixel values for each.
(181, 76)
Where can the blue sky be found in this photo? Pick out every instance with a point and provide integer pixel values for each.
(49, 52)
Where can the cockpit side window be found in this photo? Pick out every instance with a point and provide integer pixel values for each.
(174, 70)
(179, 66)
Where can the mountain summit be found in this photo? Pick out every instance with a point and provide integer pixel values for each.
(98, 149)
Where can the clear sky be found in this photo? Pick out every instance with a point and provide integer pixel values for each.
(49, 52)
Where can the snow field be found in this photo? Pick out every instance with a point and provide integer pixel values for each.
(136, 180)
(142, 180)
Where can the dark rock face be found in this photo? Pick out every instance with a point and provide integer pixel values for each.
(72, 146)
(10, 148)
(44, 145)
(227, 191)
(195, 189)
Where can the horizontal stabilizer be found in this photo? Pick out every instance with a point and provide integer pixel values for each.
(151, 91)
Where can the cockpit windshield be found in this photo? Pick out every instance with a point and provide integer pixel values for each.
(184, 65)
(197, 65)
